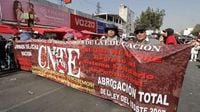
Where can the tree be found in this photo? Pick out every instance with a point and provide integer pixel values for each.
(196, 30)
(151, 19)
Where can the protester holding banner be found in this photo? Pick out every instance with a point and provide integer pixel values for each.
(141, 37)
(169, 36)
(111, 33)
(137, 77)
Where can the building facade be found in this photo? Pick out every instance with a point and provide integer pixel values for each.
(113, 19)
(128, 16)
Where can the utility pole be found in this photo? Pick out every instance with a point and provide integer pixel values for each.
(98, 8)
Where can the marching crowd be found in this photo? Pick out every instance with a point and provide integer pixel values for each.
(7, 59)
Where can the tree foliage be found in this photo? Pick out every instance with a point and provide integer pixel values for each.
(151, 19)
(196, 30)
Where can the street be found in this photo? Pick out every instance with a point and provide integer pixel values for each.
(25, 92)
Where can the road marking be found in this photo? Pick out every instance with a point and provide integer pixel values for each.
(32, 99)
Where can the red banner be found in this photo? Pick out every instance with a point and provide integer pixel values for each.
(23, 54)
(144, 78)
(46, 13)
(81, 23)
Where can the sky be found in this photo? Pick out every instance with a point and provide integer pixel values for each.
(180, 14)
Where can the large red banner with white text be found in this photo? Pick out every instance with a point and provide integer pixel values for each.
(23, 54)
(141, 77)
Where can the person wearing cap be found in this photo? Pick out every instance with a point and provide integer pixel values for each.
(169, 36)
(111, 33)
(140, 33)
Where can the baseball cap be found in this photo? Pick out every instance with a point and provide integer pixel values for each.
(139, 28)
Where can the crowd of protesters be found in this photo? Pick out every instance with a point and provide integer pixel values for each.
(7, 60)
(166, 38)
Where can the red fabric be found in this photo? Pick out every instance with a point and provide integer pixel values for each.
(64, 29)
(60, 32)
(42, 30)
(7, 29)
(76, 33)
(67, 1)
(92, 33)
(54, 30)
(60, 66)
(171, 40)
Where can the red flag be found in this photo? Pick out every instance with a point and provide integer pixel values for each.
(67, 1)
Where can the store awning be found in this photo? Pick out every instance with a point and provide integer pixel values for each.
(42, 30)
(55, 30)
(76, 33)
(7, 29)
(64, 29)
(61, 31)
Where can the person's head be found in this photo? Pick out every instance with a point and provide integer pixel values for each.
(111, 30)
(140, 33)
(10, 40)
(168, 32)
(69, 37)
(17, 5)
(15, 37)
(31, 6)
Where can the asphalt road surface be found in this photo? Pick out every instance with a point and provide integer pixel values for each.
(25, 92)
